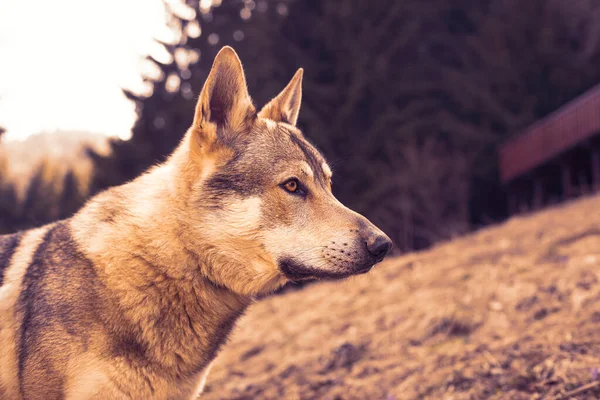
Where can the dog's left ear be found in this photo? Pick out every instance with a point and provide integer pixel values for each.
(224, 101)
(286, 106)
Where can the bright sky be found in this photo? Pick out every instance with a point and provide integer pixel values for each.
(63, 63)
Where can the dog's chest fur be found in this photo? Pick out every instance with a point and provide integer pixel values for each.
(150, 334)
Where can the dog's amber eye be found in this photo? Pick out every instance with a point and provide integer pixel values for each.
(292, 186)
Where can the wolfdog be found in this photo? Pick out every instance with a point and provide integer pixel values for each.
(133, 296)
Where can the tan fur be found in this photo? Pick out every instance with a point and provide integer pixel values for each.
(202, 382)
(134, 295)
(9, 293)
(87, 377)
(326, 170)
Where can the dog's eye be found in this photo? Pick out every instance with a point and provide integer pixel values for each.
(292, 186)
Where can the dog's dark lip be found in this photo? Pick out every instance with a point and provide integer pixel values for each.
(294, 271)
(297, 272)
(364, 270)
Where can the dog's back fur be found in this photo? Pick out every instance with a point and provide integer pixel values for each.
(134, 295)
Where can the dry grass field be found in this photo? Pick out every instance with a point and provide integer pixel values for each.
(509, 312)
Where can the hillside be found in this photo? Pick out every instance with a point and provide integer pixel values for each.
(510, 312)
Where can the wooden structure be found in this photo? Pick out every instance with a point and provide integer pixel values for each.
(556, 158)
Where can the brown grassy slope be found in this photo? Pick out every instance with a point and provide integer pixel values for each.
(510, 312)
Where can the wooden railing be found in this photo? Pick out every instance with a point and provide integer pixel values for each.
(571, 125)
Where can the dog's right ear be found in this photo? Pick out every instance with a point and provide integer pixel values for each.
(224, 102)
(286, 105)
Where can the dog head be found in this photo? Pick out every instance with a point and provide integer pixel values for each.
(259, 205)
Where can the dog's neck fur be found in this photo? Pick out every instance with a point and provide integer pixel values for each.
(191, 314)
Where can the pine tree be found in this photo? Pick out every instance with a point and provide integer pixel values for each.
(41, 201)
(71, 196)
(9, 208)
(165, 115)
(391, 88)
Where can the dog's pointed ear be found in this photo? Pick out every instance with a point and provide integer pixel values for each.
(286, 106)
(224, 100)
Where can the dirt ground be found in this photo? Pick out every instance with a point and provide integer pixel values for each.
(510, 312)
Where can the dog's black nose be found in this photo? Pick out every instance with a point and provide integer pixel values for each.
(379, 246)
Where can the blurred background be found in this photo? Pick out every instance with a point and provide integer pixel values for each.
(410, 100)
(439, 118)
